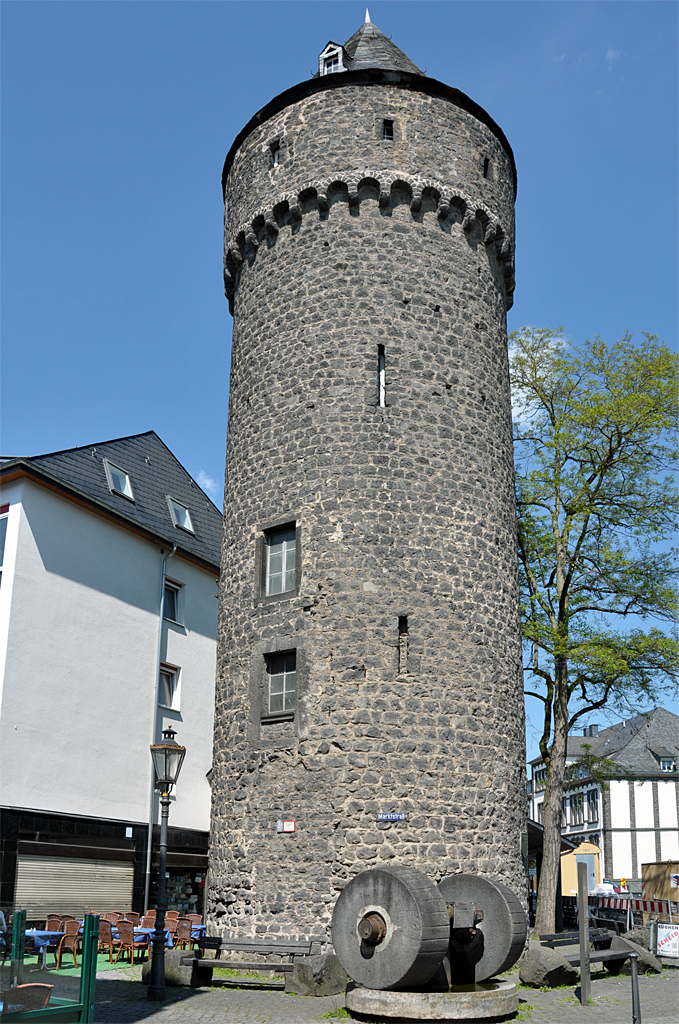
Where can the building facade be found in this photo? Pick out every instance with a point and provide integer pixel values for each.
(632, 819)
(94, 662)
(369, 643)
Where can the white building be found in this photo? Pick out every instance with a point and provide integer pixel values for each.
(634, 818)
(97, 653)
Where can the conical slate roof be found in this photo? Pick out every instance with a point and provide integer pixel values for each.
(370, 48)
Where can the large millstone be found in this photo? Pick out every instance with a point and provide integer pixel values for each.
(390, 928)
(497, 941)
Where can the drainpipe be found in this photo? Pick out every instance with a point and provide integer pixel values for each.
(154, 724)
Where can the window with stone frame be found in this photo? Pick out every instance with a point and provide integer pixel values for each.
(281, 673)
(281, 560)
(592, 805)
(577, 809)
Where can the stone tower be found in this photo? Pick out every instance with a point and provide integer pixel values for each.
(369, 647)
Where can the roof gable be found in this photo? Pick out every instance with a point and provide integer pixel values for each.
(154, 473)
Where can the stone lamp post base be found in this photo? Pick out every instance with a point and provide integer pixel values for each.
(486, 1000)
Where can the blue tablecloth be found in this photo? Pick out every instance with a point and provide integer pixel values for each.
(198, 931)
(138, 932)
(42, 939)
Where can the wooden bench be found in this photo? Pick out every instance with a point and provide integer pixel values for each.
(203, 966)
(601, 939)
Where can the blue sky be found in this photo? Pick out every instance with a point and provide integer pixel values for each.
(117, 117)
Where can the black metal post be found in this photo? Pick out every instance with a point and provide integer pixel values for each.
(156, 989)
(636, 1005)
(583, 922)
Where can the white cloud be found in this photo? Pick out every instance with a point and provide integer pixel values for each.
(209, 485)
(611, 57)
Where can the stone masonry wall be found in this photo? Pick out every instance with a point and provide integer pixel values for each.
(406, 510)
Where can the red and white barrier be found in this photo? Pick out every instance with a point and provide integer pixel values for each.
(629, 903)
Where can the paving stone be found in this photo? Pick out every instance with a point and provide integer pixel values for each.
(120, 1000)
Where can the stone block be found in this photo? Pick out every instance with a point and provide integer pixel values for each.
(648, 964)
(542, 966)
(642, 937)
(194, 976)
(316, 976)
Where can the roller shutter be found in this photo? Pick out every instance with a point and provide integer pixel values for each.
(72, 885)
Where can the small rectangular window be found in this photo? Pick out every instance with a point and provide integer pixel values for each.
(402, 643)
(381, 377)
(281, 670)
(486, 167)
(118, 480)
(281, 560)
(331, 64)
(169, 687)
(171, 602)
(387, 131)
(181, 516)
(275, 154)
(667, 764)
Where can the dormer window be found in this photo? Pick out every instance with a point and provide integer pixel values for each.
(118, 480)
(181, 516)
(668, 764)
(330, 60)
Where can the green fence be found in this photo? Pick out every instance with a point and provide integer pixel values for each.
(71, 996)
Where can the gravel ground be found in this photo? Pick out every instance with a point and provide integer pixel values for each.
(121, 998)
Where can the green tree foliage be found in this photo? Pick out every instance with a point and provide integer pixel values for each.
(594, 435)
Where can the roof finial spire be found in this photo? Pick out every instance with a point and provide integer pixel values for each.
(367, 17)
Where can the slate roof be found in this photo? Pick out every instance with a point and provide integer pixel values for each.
(370, 48)
(635, 744)
(154, 473)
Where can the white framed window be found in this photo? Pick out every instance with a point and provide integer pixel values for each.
(181, 516)
(281, 670)
(168, 696)
(281, 560)
(331, 64)
(4, 510)
(171, 599)
(668, 764)
(118, 480)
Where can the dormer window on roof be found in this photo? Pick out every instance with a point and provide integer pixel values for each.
(330, 60)
(118, 480)
(181, 516)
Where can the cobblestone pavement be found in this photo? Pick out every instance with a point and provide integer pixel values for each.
(121, 999)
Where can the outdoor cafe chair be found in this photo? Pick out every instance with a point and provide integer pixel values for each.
(195, 919)
(147, 921)
(183, 938)
(151, 912)
(127, 940)
(53, 923)
(106, 938)
(171, 914)
(132, 917)
(69, 941)
(68, 917)
(33, 996)
(111, 918)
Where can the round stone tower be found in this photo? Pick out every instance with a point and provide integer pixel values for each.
(369, 658)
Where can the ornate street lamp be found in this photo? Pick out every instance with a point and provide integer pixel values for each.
(167, 762)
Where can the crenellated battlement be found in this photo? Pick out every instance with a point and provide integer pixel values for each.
(421, 195)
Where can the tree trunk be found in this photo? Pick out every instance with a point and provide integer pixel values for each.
(545, 913)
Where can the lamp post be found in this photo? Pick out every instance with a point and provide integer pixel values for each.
(167, 761)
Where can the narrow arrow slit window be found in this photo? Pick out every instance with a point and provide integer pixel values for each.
(381, 377)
